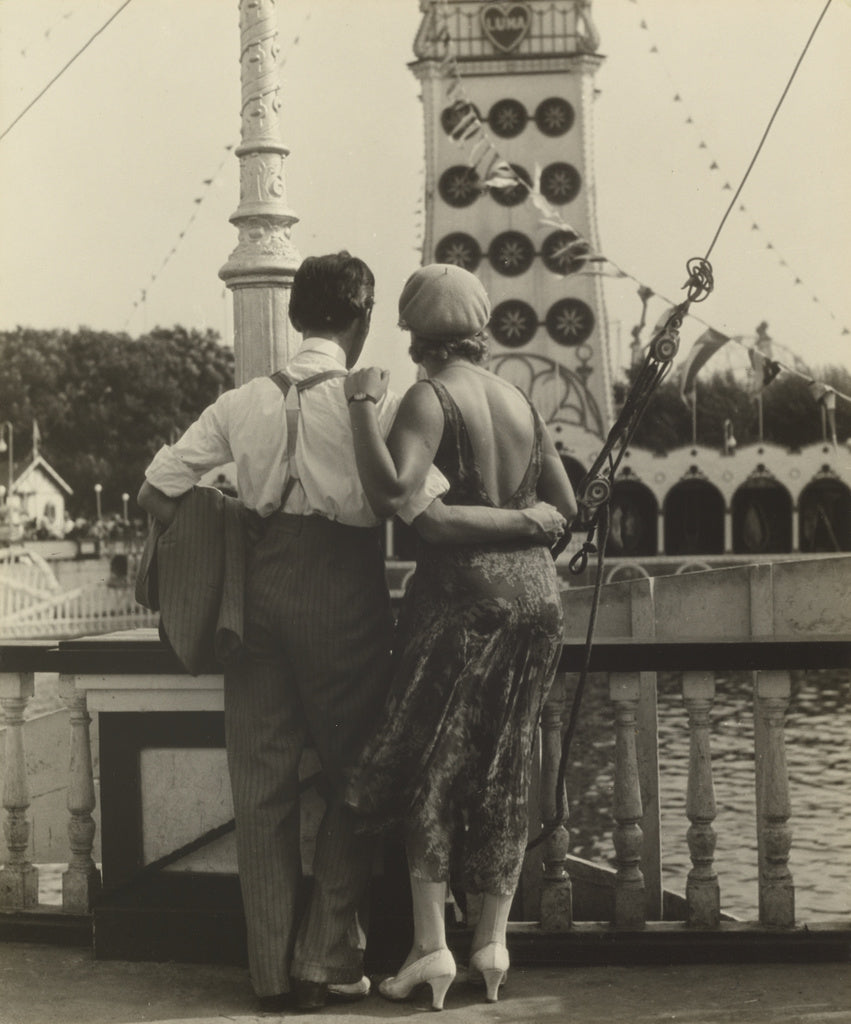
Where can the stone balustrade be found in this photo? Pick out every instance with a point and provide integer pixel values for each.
(767, 619)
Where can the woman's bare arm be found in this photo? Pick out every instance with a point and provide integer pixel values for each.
(391, 472)
(476, 524)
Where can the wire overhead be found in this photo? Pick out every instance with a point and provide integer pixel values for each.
(62, 71)
(768, 128)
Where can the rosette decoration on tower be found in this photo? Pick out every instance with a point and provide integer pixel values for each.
(507, 91)
(260, 269)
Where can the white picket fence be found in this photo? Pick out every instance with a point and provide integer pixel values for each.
(97, 608)
(34, 605)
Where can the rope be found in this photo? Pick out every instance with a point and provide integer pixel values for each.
(767, 130)
(559, 816)
(595, 492)
(60, 73)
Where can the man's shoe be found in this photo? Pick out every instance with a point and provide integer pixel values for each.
(309, 995)
(350, 993)
(281, 1002)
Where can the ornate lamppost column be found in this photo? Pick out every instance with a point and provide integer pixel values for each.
(260, 269)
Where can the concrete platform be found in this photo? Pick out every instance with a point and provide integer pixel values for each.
(57, 985)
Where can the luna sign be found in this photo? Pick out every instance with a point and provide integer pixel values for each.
(506, 25)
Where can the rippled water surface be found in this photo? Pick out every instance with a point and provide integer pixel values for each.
(818, 730)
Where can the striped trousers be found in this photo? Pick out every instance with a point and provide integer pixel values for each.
(318, 631)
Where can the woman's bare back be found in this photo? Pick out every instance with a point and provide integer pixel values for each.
(500, 425)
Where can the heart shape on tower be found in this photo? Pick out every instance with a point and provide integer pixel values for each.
(506, 25)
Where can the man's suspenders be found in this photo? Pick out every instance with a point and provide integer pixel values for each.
(291, 398)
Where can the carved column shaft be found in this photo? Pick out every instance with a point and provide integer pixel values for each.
(556, 891)
(630, 906)
(18, 877)
(260, 270)
(703, 895)
(81, 882)
(772, 691)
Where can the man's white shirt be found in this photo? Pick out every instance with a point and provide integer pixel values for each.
(248, 426)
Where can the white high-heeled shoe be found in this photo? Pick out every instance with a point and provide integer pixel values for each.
(437, 969)
(491, 961)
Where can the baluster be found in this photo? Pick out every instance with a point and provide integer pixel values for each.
(556, 890)
(81, 882)
(772, 691)
(703, 895)
(630, 905)
(18, 877)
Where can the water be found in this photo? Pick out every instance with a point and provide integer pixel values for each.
(818, 728)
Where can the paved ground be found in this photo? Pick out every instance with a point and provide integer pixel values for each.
(50, 985)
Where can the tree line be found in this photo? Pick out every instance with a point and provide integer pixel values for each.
(791, 416)
(104, 403)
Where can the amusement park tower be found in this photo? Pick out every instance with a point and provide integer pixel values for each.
(507, 91)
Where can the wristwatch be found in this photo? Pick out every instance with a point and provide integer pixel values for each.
(362, 396)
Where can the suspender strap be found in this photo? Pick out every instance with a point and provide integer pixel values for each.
(317, 378)
(285, 382)
(291, 398)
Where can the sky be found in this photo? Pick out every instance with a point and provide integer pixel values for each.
(117, 185)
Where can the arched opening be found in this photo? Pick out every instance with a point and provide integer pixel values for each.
(632, 526)
(762, 518)
(824, 515)
(694, 519)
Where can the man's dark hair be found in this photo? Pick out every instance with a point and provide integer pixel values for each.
(329, 292)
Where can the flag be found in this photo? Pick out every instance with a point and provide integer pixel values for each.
(36, 437)
(702, 351)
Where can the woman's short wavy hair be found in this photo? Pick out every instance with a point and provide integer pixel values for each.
(474, 348)
(329, 292)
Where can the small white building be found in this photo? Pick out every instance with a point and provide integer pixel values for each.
(40, 493)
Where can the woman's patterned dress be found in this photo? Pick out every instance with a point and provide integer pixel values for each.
(476, 649)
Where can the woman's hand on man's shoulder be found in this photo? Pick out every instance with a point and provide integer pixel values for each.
(371, 380)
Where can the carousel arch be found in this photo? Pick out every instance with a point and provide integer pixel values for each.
(762, 516)
(694, 518)
(824, 516)
(633, 523)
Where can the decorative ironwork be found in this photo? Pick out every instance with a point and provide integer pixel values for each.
(507, 118)
(459, 248)
(459, 186)
(511, 253)
(513, 323)
(556, 392)
(560, 183)
(570, 322)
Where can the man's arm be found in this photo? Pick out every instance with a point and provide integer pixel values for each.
(176, 468)
(469, 524)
